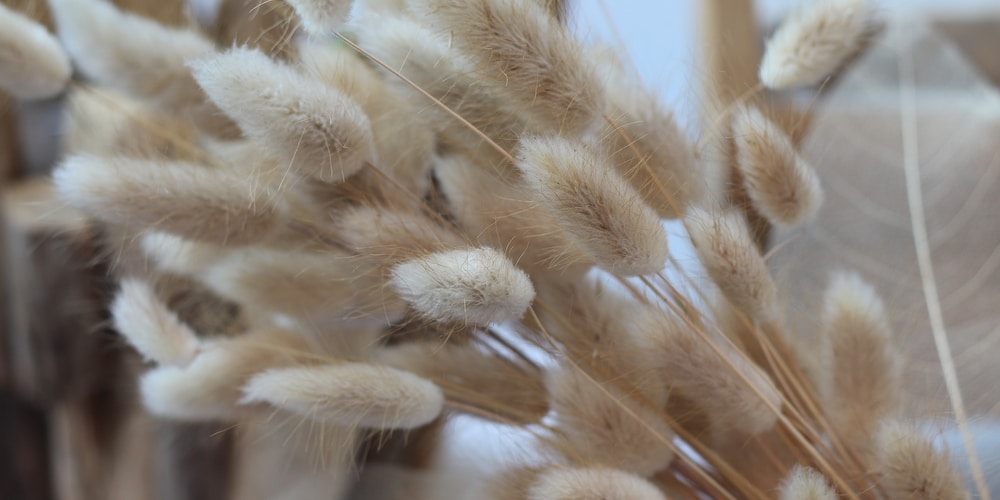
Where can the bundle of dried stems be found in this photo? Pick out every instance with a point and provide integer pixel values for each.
(331, 227)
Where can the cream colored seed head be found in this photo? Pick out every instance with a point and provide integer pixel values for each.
(592, 483)
(32, 63)
(211, 205)
(319, 131)
(124, 51)
(719, 379)
(155, 331)
(604, 424)
(524, 54)
(322, 17)
(726, 249)
(782, 186)
(813, 42)
(804, 483)
(864, 368)
(479, 286)
(350, 394)
(912, 467)
(598, 209)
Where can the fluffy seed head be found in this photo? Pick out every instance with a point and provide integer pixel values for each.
(509, 387)
(322, 17)
(523, 53)
(208, 388)
(813, 42)
(912, 467)
(649, 149)
(136, 55)
(593, 483)
(603, 214)
(155, 331)
(864, 366)
(782, 186)
(608, 426)
(735, 392)
(726, 249)
(389, 237)
(804, 483)
(505, 217)
(212, 205)
(350, 394)
(321, 132)
(32, 63)
(299, 283)
(479, 286)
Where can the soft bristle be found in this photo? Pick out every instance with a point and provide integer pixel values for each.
(736, 393)
(208, 388)
(649, 149)
(155, 331)
(32, 63)
(508, 386)
(299, 283)
(523, 53)
(404, 136)
(506, 217)
(911, 467)
(430, 62)
(813, 42)
(804, 483)
(604, 215)
(350, 394)
(479, 286)
(136, 55)
(389, 237)
(322, 17)
(196, 202)
(592, 483)
(782, 186)
(319, 131)
(726, 249)
(864, 366)
(177, 255)
(605, 425)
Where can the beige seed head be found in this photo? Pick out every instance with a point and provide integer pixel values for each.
(911, 467)
(482, 375)
(602, 214)
(155, 331)
(350, 394)
(736, 393)
(505, 217)
(478, 286)
(649, 149)
(32, 63)
(322, 17)
(208, 388)
(726, 249)
(300, 283)
(591, 483)
(525, 55)
(864, 367)
(130, 53)
(319, 131)
(604, 424)
(211, 205)
(782, 186)
(804, 483)
(813, 42)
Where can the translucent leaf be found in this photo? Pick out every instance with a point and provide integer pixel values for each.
(857, 145)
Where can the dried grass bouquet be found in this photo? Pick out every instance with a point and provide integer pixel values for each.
(342, 234)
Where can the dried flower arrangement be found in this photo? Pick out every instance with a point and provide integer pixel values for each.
(421, 209)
